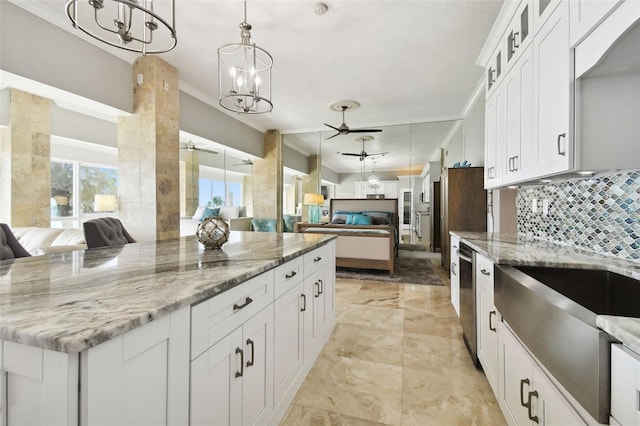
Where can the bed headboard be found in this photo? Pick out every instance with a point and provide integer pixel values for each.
(358, 204)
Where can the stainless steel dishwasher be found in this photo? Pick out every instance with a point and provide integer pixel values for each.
(468, 300)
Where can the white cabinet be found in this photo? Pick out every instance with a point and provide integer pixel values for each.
(455, 274)
(585, 15)
(487, 320)
(526, 395)
(625, 386)
(141, 377)
(388, 188)
(37, 386)
(552, 89)
(494, 138)
(232, 355)
(232, 381)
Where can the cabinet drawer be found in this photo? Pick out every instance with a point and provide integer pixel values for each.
(484, 272)
(315, 259)
(288, 275)
(216, 317)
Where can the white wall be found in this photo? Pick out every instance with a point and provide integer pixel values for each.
(474, 133)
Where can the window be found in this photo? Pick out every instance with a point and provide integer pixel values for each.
(74, 186)
(212, 193)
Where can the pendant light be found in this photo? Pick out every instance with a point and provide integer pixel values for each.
(127, 24)
(244, 74)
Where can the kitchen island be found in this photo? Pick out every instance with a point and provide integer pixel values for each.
(116, 335)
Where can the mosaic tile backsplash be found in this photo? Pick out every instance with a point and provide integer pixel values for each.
(601, 214)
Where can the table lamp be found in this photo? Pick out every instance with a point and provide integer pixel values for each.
(104, 203)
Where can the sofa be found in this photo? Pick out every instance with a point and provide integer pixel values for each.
(38, 241)
(234, 216)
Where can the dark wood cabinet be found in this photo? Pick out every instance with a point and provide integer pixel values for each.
(463, 205)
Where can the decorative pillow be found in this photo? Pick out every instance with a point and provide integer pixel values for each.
(380, 220)
(229, 212)
(360, 219)
(199, 211)
(209, 212)
(242, 211)
(339, 220)
(264, 225)
(288, 222)
(379, 217)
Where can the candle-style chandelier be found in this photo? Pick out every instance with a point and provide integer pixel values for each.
(131, 25)
(244, 74)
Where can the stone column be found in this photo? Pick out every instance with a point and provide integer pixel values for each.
(247, 194)
(25, 162)
(148, 157)
(311, 182)
(267, 180)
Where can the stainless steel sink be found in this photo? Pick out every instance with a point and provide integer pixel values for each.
(553, 311)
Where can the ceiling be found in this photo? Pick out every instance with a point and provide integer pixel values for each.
(403, 61)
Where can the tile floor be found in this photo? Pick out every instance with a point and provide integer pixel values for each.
(396, 357)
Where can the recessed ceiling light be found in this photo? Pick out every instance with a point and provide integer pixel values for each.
(321, 8)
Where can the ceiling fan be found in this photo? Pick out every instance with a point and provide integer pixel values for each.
(246, 162)
(363, 154)
(190, 146)
(344, 129)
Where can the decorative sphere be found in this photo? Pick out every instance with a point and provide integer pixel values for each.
(213, 232)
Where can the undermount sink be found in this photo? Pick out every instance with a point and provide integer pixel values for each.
(553, 311)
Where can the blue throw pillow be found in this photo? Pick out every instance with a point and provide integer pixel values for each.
(209, 212)
(360, 219)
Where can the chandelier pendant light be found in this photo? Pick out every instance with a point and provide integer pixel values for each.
(244, 74)
(128, 24)
(373, 181)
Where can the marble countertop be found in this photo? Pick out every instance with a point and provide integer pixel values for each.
(518, 250)
(72, 301)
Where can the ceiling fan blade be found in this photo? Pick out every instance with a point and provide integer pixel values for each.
(351, 154)
(207, 150)
(377, 153)
(364, 130)
(334, 128)
(337, 134)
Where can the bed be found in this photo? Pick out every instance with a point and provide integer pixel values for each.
(372, 246)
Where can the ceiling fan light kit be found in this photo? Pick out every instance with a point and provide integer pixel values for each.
(344, 129)
(244, 74)
(126, 24)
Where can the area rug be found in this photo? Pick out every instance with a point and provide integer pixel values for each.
(407, 270)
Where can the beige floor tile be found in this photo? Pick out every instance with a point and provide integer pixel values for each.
(459, 396)
(434, 353)
(356, 388)
(375, 317)
(437, 322)
(376, 345)
(302, 415)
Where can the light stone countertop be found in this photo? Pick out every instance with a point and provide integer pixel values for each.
(72, 301)
(517, 250)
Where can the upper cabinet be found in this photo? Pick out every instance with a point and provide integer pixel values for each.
(547, 111)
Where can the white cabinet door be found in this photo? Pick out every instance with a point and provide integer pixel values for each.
(518, 94)
(527, 395)
(289, 316)
(390, 189)
(515, 375)
(216, 388)
(548, 406)
(625, 385)
(232, 381)
(495, 118)
(455, 277)
(552, 86)
(487, 320)
(329, 290)
(33, 377)
(141, 377)
(587, 14)
(257, 378)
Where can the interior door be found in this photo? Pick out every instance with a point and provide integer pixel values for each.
(406, 208)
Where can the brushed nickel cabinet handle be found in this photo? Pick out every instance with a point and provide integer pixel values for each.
(492, 314)
(522, 383)
(291, 275)
(304, 302)
(532, 418)
(241, 372)
(485, 272)
(250, 342)
(247, 301)
(317, 259)
(561, 136)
